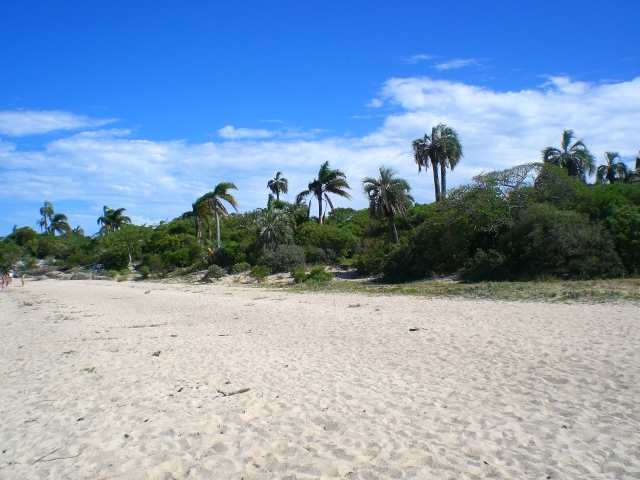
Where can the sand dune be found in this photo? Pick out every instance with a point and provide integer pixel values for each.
(124, 380)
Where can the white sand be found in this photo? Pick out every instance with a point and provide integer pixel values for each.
(339, 386)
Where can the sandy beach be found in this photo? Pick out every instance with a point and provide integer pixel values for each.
(152, 380)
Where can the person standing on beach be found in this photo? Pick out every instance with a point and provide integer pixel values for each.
(5, 280)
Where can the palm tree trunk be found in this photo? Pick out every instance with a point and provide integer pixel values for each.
(278, 195)
(319, 197)
(392, 230)
(218, 227)
(443, 181)
(436, 181)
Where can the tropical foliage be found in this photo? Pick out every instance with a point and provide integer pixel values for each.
(575, 158)
(388, 196)
(112, 219)
(328, 181)
(531, 221)
(612, 170)
(440, 150)
(278, 185)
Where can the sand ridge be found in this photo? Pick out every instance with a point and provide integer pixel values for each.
(123, 380)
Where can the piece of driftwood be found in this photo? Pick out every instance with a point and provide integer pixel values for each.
(234, 392)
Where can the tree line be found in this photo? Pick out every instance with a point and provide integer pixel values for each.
(469, 230)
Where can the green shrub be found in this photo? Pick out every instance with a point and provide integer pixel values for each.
(624, 226)
(326, 237)
(110, 273)
(319, 274)
(285, 258)
(548, 241)
(22, 236)
(143, 270)
(9, 255)
(114, 259)
(240, 267)
(214, 271)
(299, 274)
(78, 259)
(260, 272)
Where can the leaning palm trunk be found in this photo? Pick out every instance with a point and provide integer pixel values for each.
(392, 230)
(443, 181)
(319, 208)
(436, 181)
(218, 227)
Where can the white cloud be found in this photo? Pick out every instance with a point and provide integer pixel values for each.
(158, 180)
(456, 63)
(417, 58)
(231, 133)
(18, 123)
(375, 103)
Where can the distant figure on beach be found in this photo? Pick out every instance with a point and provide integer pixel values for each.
(6, 280)
(23, 278)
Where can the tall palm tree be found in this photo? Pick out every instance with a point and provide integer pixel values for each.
(328, 181)
(612, 170)
(112, 219)
(79, 230)
(275, 225)
(576, 157)
(440, 150)
(214, 201)
(47, 212)
(59, 224)
(278, 184)
(388, 196)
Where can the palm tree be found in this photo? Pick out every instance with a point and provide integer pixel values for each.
(275, 225)
(112, 219)
(79, 230)
(278, 184)
(47, 212)
(200, 213)
(441, 149)
(421, 155)
(59, 224)
(214, 203)
(388, 196)
(612, 170)
(576, 158)
(328, 181)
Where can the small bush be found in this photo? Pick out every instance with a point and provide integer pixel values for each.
(299, 274)
(240, 267)
(110, 273)
(319, 274)
(285, 258)
(143, 270)
(214, 271)
(260, 272)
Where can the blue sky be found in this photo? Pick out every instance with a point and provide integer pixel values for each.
(147, 105)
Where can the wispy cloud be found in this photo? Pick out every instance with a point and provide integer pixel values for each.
(457, 63)
(417, 58)
(231, 133)
(18, 123)
(375, 103)
(158, 180)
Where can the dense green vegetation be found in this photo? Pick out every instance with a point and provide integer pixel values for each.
(533, 221)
